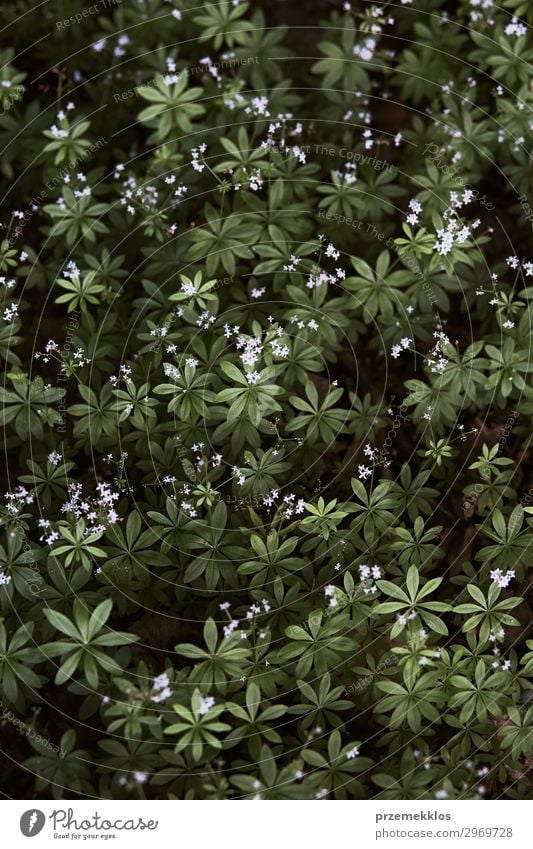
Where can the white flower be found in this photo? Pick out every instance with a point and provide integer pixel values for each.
(256, 293)
(206, 704)
(444, 246)
(10, 313)
(54, 458)
(515, 27)
(229, 629)
(161, 695)
(161, 681)
(258, 106)
(503, 580)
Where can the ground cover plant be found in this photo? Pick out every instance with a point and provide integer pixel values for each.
(266, 401)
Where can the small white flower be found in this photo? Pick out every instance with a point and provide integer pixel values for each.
(10, 313)
(503, 580)
(257, 293)
(206, 704)
(161, 681)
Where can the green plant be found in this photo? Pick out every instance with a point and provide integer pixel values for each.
(266, 528)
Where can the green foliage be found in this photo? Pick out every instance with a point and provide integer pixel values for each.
(266, 529)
